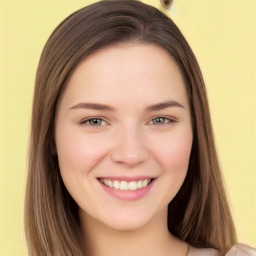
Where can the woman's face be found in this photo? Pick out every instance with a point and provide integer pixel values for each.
(123, 135)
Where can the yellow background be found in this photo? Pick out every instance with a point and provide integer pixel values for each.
(222, 35)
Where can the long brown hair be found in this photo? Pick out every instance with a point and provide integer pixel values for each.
(199, 214)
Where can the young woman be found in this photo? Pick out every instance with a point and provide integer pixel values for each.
(122, 157)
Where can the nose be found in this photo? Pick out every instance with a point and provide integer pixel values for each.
(129, 147)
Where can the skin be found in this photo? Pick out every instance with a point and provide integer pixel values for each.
(126, 140)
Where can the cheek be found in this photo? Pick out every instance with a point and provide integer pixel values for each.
(78, 151)
(173, 153)
(78, 154)
(175, 160)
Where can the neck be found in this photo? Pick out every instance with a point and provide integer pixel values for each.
(151, 239)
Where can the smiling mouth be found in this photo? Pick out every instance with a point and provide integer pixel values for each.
(126, 185)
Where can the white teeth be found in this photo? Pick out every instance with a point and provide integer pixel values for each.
(140, 184)
(144, 183)
(116, 184)
(133, 185)
(110, 184)
(125, 185)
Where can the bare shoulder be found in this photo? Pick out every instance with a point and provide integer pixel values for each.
(236, 250)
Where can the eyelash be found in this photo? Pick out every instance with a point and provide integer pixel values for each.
(95, 125)
(165, 120)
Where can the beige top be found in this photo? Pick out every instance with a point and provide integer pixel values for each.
(236, 250)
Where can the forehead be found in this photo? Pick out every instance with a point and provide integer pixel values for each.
(129, 72)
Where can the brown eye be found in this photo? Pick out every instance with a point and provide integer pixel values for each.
(167, 4)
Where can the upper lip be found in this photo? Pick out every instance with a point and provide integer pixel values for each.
(125, 178)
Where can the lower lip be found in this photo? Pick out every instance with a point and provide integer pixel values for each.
(130, 195)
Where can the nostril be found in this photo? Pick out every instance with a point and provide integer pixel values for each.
(129, 147)
(129, 157)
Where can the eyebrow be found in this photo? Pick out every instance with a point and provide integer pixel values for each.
(155, 107)
(164, 105)
(96, 106)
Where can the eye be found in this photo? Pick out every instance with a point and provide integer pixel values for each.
(161, 120)
(94, 122)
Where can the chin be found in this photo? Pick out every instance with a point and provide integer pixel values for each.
(127, 224)
(131, 220)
